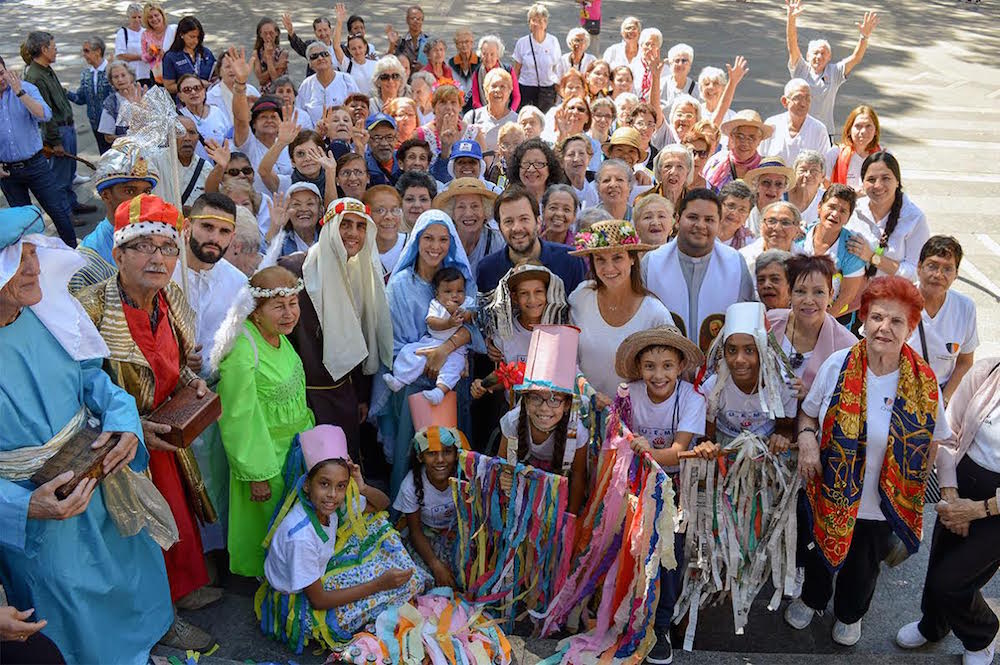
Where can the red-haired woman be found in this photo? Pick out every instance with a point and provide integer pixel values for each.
(868, 430)
(860, 138)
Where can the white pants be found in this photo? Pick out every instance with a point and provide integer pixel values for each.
(408, 366)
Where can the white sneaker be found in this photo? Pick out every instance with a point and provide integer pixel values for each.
(910, 637)
(981, 657)
(847, 634)
(80, 179)
(798, 615)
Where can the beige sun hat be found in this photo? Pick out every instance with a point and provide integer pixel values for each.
(461, 186)
(775, 165)
(747, 117)
(626, 136)
(627, 357)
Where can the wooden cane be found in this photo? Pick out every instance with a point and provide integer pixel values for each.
(49, 153)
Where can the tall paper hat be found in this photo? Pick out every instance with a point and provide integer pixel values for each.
(123, 162)
(551, 361)
(146, 215)
(745, 317)
(425, 414)
(321, 443)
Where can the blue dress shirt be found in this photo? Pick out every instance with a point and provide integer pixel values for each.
(19, 135)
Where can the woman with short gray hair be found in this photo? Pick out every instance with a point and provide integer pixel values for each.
(128, 41)
(578, 41)
(807, 191)
(388, 82)
(771, 272)
(536, 56)
(490, 51)
(615, 181)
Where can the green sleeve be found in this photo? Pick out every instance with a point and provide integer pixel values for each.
(245, 434)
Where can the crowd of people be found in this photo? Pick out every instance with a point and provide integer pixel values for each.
(349, 260)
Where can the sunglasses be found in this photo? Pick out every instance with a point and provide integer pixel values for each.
(188, 89)
(698, 154)
(389, 77)
(317, 56)
(246, 170)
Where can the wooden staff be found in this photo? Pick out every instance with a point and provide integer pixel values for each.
(50, 153)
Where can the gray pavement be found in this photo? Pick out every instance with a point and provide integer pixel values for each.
(931, 73)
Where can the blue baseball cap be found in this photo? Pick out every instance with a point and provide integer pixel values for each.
(467, 149)
(376, 118)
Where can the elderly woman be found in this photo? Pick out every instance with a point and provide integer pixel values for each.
(388, 82)
(890, 228)
(211, 121)
(416, 191)
(262, 388)
(497, 110)
(535, 167)
(125, 87)
(220, 94)
(780, 226)
(404, 111)
(681, 58)
(614, 304)
(867, 433)
(806, 192)
(532, 121)
(673, 171)
(602, 116)
(509, 136)
(598, 76)
(491, 49)
(807, 333)
(745, 131)
(829, 237)
(716, 91)
(433, 244)
(615, 181)
(187, 55)
(702, 140)
(536, 57)
(622, 82)
(578, 156)
(685, 112)
(964, 555)
(385, 205)
(447, 126)
(771, 272)
(737, 202)
(578, 41)
(272, 60)
(156, 39)
(645, 119)
(654, 219)
(627, 50)
(859, 139)
(946, 336)
(559, 209)
(465, 62)
(572, 117)
(128, 42)
(436, 51)
(326, 87)
(769, 182)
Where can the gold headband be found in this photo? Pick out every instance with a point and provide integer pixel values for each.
(215, 217)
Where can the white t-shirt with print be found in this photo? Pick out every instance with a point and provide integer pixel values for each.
(515, 347)
(438, 511)
(683, 411)
(297, 556)
(881, 394)
(739, 411)
(853, 167)
(951, 332)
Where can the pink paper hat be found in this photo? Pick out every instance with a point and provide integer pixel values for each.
(321, 443)
(551, 361)
(425, 414)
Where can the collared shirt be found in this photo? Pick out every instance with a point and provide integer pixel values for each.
(178, 63)
(43, 78)
(413, 49)
(571, 269)
(19, 137)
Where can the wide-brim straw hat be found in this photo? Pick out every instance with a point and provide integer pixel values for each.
(746, 117)
(527, 270)
(626, 136)
(774, 165)
(461, 186)
(613, 235)
(627, 357)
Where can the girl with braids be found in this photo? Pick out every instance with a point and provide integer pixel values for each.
(888, 228)
(541, 430)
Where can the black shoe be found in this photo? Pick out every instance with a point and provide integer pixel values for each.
(84, 208)
(77, 222)
(662, 652)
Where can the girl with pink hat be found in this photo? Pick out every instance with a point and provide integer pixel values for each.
(538, 430)
(334, 563)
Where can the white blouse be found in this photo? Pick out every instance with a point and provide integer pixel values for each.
(907, 238)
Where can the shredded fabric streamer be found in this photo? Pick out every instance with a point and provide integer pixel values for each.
(738, 514)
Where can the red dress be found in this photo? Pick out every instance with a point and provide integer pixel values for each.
(186, 570)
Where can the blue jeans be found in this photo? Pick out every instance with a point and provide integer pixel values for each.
(36, 177)
(671, 582)
(64, 168)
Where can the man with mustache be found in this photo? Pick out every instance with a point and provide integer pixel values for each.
(148, 327)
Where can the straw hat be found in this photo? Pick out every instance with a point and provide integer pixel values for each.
(627, 358)
(461, 186)
(608, 236)
(528, 269)
(775, 165)
(747, 117)
(626, 136)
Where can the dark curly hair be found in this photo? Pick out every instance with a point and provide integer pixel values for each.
(556, 174)
(559, 447)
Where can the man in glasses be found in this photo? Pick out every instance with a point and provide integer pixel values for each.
(380, 156)
(94, 87)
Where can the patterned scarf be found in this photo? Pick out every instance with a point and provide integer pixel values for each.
(836, 497)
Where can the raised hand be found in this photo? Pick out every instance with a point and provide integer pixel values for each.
(392, 36)
(286, 20)
(738, 69)
(359, 136)
(219, 154)
(241, 68)
(279, 213)
(793, 8)
(868, 24)
(341, 12)
(324, 159)
(288, 129)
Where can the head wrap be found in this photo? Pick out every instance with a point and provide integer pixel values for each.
(456, 257)
(498, 315)
(124, 161)
(435, 438)
(146, 215)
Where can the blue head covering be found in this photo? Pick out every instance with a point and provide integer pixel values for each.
(15, 223)
(456, 257)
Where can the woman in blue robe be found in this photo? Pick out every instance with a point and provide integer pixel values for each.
(105, 596)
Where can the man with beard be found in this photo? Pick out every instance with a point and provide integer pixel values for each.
(469, 203)
(516, 212)
(193, 170)
(695, 260)
(380, 157)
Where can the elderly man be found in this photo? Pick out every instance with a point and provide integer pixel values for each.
(410, 46)
(824, 76)
(65, 557)
(380, 156)
(714, 275)
(795, 130)
(94, 87)
(149, 329)
(469, 204)
(58, 132)
(23, 169)
(768, 182)
(516, 212)
(745, 131)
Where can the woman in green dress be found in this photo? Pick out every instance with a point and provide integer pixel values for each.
(263, 391)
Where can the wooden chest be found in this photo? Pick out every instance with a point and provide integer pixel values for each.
(77, 456)
(187, 415)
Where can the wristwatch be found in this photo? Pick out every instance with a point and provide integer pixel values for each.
(876, 260)
(815, 432)
(22, 93)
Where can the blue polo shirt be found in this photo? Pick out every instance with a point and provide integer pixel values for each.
(177, 63)
(376, 174)
(571, 269)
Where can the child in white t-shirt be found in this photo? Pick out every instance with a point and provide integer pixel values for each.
(425, 498)
(449, 310)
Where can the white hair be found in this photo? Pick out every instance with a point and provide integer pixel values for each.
(795, 84)
(678, 49)
(712, 74)
(426, 77)
(628, 19)
(574, 33)
(625, 98)
(685, 99)
(490, 39)
(675, 150)
(385, 65)
(615, 163)
(538, 9)
(817, 44)
(533, 111)
(651, 33)
(813, 157)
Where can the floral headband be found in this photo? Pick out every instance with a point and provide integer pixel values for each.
(435, 438)
(264, 294)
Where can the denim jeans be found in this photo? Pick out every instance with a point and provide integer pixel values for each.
(36, 177)
(64, 168)
(671, 582)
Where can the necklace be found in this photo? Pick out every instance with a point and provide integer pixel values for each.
(796, 359)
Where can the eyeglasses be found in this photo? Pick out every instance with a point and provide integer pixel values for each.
(740, 137)
(680, 61)
(352, 173)
(321, 54)
(536, 399)
(736, 207)
(538, 166)
(388, 138)
(382, 212)
(393, 76)
(777, 221)
(698, 154)
(188, 89)
(246, 170)
(148, 248)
